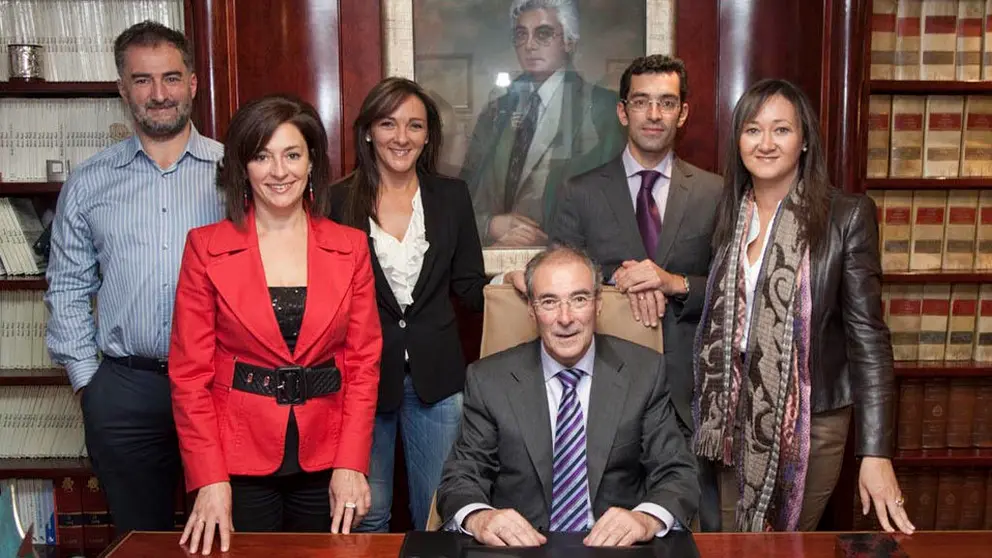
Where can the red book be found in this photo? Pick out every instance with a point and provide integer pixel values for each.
(97, 529)
(69, 512)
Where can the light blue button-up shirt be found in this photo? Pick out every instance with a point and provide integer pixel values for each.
(119, 233)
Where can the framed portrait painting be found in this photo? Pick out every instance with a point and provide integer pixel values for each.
(528, 92)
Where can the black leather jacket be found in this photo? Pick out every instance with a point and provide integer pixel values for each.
(847, 312)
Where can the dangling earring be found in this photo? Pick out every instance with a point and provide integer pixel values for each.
(310, 191)
(368, 138)
(804, 148)
(247, 205)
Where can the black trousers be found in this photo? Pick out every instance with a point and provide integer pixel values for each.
(131, 439)
(296, 503)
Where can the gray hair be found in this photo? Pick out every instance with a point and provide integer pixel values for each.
(568, 14)
(561, 252)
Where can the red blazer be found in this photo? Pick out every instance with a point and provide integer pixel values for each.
(223, 312)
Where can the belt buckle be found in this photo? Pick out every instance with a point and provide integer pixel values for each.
(290, 385)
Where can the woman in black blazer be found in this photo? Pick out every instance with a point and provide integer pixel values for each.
(424, 246)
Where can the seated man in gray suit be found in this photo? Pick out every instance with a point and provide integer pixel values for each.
(570, 432)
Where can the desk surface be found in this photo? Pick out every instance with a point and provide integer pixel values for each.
(957, 544)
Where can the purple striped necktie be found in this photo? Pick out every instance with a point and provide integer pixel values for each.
(648, 216)
(570, 485)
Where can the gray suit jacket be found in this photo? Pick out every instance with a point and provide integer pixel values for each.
(594, 212)
(503, 454)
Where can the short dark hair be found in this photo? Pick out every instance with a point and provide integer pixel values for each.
(250, 131)
(655, 64)
(558, 251)
(381, 101)
(150, 33)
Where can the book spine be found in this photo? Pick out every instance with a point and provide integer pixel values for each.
(897, 230)
(935, 398)
(929, 219)
(906, 149)
(909, 429)
(934, 317)
(905, 302)
(879, 125)
(976, 154)
(883, 38)
(961, 333)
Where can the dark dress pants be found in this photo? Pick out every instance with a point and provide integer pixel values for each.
(132, 443)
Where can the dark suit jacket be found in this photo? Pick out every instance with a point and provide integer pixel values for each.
(594, 212)
(589, 134)
(503, 454)
(428, 330)
(223, 313)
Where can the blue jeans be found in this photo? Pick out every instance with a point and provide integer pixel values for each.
(428, 432)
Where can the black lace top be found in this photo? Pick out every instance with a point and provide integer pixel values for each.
(288, 304)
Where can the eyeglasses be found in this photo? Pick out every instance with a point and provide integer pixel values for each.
(667, 105)
(543, 35)
(550, 305)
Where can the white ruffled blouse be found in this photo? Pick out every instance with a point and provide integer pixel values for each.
(401, 261)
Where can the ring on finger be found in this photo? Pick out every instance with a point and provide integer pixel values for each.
(900, 501)
(350, 505)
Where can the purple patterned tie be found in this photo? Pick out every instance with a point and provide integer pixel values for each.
(570, 485)
(648, 218)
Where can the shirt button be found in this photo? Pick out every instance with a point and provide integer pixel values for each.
(164, 210)
(402, 324)
(165, 246)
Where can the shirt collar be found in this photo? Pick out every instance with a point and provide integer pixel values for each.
(632, 167)
(550, 86)
(195, 146)
(552, 367)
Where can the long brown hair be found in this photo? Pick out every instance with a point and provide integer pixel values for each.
(250, 130)
(363, 182)
(815, 202)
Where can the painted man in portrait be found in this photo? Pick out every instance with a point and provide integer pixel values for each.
(551, 124)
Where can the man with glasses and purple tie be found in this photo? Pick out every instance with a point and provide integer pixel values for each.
(647, 216)
(571, 432)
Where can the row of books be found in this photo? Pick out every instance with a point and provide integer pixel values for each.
(78, 35)
(941, 413)
(934, 230)
(23, 324)
(939, 322)
(20, 230)
(935, 136)
(34, 131)
(33, 507)
(931, 39)
(944, 499)
(40, 421)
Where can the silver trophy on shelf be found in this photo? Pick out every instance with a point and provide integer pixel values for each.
(26, 62)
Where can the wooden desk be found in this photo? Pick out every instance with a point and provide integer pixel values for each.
(943, 544)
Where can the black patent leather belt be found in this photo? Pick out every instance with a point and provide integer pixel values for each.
(290, 385)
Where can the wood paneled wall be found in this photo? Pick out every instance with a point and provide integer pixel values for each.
(328, 52)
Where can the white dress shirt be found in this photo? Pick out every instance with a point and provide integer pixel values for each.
(552, 385)
(751, 271)
(402, 260)
(661, 187)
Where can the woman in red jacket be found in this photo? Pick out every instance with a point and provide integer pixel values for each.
(275, 349)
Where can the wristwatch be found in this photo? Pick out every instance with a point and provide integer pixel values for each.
(685, 295)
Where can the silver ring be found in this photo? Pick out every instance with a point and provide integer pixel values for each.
(350, 505)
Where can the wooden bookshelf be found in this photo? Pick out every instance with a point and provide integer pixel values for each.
(942, 368)
(901, 87)
(29, 188)
(42, 377)
(974, 182)
(59, 89)
(965, 457)
(23, 283)
(924, 277)
(43, 467)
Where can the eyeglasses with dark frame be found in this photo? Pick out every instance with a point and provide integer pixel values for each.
(668, 104)
(543, 35)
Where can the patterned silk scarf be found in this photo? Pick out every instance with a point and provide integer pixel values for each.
(753, 411)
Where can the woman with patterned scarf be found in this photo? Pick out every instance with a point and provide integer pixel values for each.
(792, 334)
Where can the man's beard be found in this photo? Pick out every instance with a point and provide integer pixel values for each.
(160, 129)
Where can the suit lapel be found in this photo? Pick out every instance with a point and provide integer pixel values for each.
(240, 281)
(529, 401)
(606, 402)
(329, 272)
(614, 184)
(675, 210)
(434, 227)
(563, 145)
